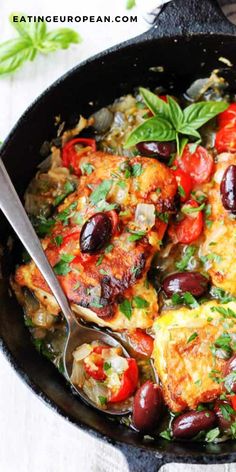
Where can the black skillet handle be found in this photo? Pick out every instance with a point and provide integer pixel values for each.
(140, 460)
(186, 17)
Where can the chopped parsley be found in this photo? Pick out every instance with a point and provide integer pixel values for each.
(188, 209)
(107, 365)
(140, 302)
(182, 264)
(63, 266)
(226, 411)
(211, 257)
(221, 295)
(225, 312)
(109, 248)
(163, 216)
(136, 170)
(100, 259)
(181, 191)
(126, 308)
(192, 337)
(69, 187)
(166, 434)
(222, 342)
(212, 435)
(67, 213)
(187, 299)
(58, 240)
(103, 400)
(136, 235)
(101, 192)
(86, 168)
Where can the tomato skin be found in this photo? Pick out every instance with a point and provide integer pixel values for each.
(71, 158)
(129, 383)
(199, 164)
(233, 401)
(228, 117)
(99, 373)
(226, 140)
(141, 342)
(185, 181)
(188, 229)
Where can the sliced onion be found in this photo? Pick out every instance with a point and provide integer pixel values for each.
(145, 215)
(77, 376)
(94, 390)
(82, 351)
(103, 120)
(197, 88)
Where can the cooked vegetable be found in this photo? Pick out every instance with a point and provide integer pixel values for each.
(198, 164)
(189, 228)
(148, 407)
(95, 233)
(182, 282)
(71, 157)
(228, 189)
(191, 423)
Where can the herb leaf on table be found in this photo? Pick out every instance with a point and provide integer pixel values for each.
(32, 39)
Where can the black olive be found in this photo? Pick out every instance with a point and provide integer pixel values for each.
(157, 149)
(228, 189)
(95, 233)
(182, 282)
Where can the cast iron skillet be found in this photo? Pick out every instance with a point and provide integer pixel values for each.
(187, 39)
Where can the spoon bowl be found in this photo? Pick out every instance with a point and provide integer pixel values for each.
(77, 334)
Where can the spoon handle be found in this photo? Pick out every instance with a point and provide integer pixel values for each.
(14, 211)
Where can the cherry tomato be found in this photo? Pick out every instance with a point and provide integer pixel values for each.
(228, 117)
(189, 228)
(185, 184)
(226, 140)
(233, 401)
(98, 372)
(129, 383)
(141, 342)
(164, 98)
(71, 157)
(199, 164)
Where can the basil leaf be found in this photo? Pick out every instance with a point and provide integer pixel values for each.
(154, 129)
(154, 103)
(187, 129)
(59, 39)
(130, 4)
(33, 38)
(176, 114)
(197, 114)
(13, 54)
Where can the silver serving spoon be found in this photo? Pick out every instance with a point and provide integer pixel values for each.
(77, 334)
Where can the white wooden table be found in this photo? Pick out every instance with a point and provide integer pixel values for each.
(32, 437)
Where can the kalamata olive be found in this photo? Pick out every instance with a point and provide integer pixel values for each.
(189, 424)
(182, 282)
(147, 408)
(225, 418)
(228, 189)
(229, 368)
(156, 148)
(95, 233)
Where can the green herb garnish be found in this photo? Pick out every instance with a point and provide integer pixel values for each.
(126, 308)
(171, 123)
(140, 302)
(32, 39)
(136, 235)
(212, 435)
(192, 337)
(166, 434)
(86, 168)
(103, 400)
(63, 266)
(101, 192)
(188, 254)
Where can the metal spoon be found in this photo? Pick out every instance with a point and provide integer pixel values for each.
(77, 334)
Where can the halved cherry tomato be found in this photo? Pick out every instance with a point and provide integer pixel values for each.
(164, 98)
(71, 157)
(189, 228)
(113, 215)
(199, 164)
(185, 184)
(141, 342)
(129, 383)
(226, 140)
(233, 401)
(228, 117)
(98, 372)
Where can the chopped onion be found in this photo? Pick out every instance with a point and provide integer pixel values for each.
(119, 364)
(94, 390)
(197, 88)
(82, 351)
(77, 376)
(145, 215)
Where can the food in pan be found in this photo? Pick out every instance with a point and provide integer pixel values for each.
(135, 207)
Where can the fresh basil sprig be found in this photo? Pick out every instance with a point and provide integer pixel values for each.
(32, 39)
(171, 123)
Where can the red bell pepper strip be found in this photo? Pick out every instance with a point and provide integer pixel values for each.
(71, 157)
(129, 383)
